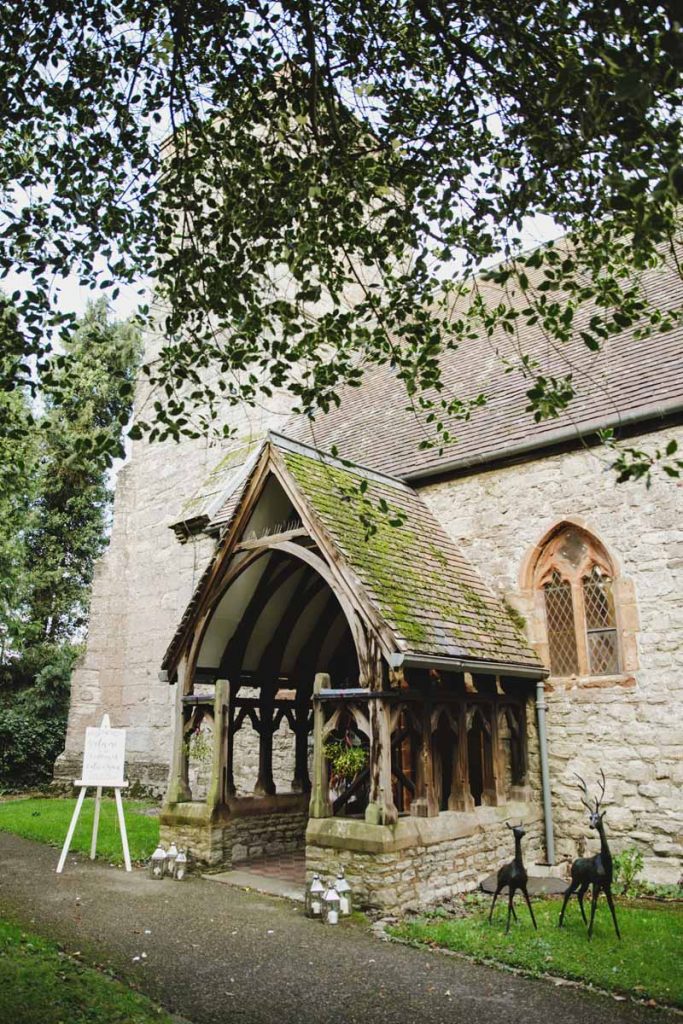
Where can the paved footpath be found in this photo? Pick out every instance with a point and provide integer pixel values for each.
(217, 955)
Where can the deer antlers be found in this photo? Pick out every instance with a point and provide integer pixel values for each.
(585, 797)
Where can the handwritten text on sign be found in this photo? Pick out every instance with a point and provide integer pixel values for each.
(104, 757)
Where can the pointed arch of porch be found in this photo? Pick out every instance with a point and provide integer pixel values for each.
(291, 557)
(275, 615)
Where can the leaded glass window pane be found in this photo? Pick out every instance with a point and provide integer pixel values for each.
(559, 611)
(603, 655)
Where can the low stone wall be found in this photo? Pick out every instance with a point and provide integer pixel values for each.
(252, 827)
(420, 861)
(271, 834)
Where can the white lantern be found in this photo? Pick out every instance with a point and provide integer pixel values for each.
(180, 866)
(344, 890)
(171, 855)
(314, 897)
(156, 863)
(331, 906)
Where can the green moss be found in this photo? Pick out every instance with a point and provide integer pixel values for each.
(517, 618)
(384, 556)
(409, 576)
(216, 479)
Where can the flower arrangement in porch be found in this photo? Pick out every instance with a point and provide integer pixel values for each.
(346, 760)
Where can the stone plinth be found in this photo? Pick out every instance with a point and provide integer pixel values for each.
(419, 861)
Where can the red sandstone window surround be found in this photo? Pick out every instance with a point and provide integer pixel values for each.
(575, 579)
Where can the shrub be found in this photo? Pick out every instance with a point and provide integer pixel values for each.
(627, 866)
(33, 722)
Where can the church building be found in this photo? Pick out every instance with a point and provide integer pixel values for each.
(329, 637)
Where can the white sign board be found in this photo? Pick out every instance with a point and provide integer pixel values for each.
(103, 757)
(103, 760)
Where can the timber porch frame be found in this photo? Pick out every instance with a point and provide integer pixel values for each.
(420, 641)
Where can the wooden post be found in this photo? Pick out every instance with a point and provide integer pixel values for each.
(493, 769)
(461, 797)
(179, 786)
(381, 809)
(230, 788)
(425, 805)
(265, 785)
(320, 806)
(215, 795)
(301, 783)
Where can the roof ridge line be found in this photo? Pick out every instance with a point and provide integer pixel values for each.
(301, 448)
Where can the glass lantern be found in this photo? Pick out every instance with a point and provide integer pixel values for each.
(331, 906)
(156, 863)
(180, 866)
(315, 891)
(344, 890)
(171, 855)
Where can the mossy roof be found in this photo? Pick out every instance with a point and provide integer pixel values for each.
(432, 599)
(213, 502)
(430, 596)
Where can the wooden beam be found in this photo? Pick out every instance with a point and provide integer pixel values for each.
(302, 672)
(425, 804)
(275, 575)
(269, 539)
(268, 672)
(460, 798)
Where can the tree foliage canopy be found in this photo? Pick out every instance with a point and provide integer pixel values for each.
(332, 176)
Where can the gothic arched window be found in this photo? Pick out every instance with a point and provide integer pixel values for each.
(575, 576)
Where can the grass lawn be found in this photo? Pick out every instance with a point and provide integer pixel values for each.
(646, 963)
(47, 821)
(38, 983)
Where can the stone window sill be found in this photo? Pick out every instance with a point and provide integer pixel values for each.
(558, 683)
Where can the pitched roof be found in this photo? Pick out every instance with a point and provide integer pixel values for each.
(627, 380)
(430, 596)
(431, 599)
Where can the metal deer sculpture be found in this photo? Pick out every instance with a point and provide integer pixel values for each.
(515, 877)
(595, 871)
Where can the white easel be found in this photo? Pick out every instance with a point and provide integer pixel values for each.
(103, 762)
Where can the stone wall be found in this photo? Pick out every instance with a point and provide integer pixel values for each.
(240, 836)
(436, 859)
(631, 727)
(270, 834)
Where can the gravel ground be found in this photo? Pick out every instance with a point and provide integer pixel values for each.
(214, 954)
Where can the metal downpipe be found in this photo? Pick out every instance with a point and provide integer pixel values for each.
(545, 775)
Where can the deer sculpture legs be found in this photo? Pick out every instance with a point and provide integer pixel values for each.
(610, 904)
(580, 888)
(594, 871)
(514, 876)
(511, 909)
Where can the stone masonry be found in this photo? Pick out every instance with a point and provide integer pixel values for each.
(633, 727)
(232, 839)
(447, 855)
(630, 727)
